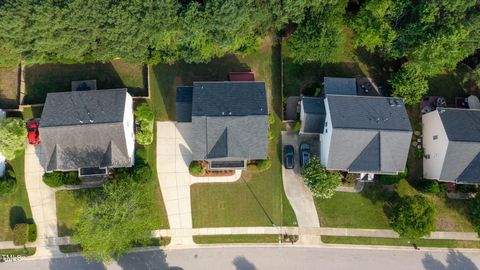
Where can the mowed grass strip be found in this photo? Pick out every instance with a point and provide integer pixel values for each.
(399, 242)
(238, 238)
(15, 207)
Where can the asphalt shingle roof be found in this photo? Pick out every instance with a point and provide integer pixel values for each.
(229, 121)
(368, 135)
(462, 160)
(314, 111)
(339, 86)
(84, 129)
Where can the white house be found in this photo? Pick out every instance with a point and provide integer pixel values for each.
(365, 135)
(88, 131)
(451, 142)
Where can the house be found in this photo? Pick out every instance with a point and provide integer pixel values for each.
(229, 122)
(451, 141)
(87, 131)
(365, 135)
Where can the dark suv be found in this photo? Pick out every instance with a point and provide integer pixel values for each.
(304, 150)
(289, 156)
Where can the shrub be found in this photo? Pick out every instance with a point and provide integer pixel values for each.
(413, 217)
(8, 183)
(271, 119)
(142, 173)
(57, 179)
(140, 156)
(20, 234)
(350, 177)
(263, 165)
(53, 179)
(271, 135)
(196, 168)
(32, 232)
(297, 126)
(322, 183)
(428, 186)
(71, 178)
(144, 116)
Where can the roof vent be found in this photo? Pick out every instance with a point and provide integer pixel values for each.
(397, 102)
(229, 113)
(391, 102)
(223, 113)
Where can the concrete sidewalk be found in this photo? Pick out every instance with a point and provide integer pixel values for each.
(42, 202)
(173, 158)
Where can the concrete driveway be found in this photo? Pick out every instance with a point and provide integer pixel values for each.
(173, 158)
(298, 194)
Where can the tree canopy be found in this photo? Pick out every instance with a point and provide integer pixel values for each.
(13, 133)
(322, 183)
(114, 221)
(429, 37)
(413, 217)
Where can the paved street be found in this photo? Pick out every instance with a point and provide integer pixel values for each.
(259, 258)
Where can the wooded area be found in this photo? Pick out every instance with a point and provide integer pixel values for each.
(421, 38)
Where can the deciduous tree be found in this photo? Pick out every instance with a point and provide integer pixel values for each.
(322, 183)
(13, 133)
(413, 217)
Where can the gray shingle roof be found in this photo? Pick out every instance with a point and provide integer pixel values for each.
(183, 106)
(229, 121)
(365, 112)
(314, 113)
(462, 160)
(97, 141)
(361, 143)
(339, 86)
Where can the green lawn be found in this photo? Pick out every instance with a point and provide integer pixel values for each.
(8, 88)
(15, 208)
(398, 242)
(69, 202)
(352, 63)
(241, 238)
(355, 210)
(42, 79)
(257, 199)
(20, 251)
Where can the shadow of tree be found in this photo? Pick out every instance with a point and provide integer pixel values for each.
(155, 259)
(74, 263)
(455, 260)
(241, 263)
(17, 215)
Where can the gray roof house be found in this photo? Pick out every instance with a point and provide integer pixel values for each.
(88, 131)
(365, 135)
(229, 122)
(451, 141)
(312, 115)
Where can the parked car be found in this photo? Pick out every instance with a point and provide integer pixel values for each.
(304, 151)
(33, 134)
(289, 156)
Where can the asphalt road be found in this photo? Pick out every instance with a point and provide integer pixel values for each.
(277, 258)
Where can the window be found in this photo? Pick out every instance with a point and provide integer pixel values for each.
(427, 156)
(326, 123)
(435, 137)
(326, 130)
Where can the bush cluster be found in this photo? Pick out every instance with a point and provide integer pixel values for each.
(196, 168)
(57, 179)
(144, 116)
(8, 183)
(428, 186)
(32, 232)
(263, 165)
(392, 179)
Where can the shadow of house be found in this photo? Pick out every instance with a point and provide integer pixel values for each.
(241, 263)
(48, 78)
(455, 260)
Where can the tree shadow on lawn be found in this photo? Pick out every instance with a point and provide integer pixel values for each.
(168, 77)
(376, 192)
(17, 215)
(49, 78)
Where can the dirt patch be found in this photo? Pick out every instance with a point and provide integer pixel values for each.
(8, 88)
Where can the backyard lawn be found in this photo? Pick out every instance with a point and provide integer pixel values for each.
(8, 88)
(42, 79)
(15, 208)
(257, 199)
(353, 63)
(69, 202)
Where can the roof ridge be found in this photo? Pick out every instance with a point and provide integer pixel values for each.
(83, 124)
